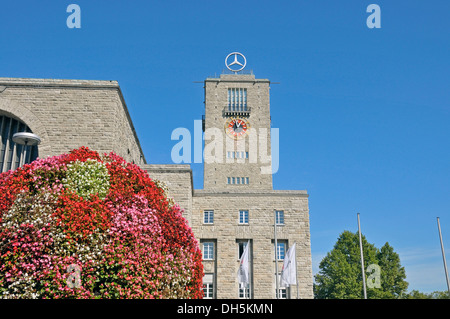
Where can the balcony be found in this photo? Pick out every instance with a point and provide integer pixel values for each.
(241, 111)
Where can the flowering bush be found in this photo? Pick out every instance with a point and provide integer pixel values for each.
(85, 225)
(87, 178)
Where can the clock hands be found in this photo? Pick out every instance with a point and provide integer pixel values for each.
(237, 127)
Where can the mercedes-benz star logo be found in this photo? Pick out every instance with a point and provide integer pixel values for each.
(240, 64)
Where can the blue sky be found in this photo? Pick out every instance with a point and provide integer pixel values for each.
(363, 113)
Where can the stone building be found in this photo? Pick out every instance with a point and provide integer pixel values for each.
(65, 114)
(237, 205)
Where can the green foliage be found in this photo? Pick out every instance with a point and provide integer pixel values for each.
(415, 294)
(393, 284)
(340, 275)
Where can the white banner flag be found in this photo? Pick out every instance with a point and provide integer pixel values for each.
(289, 271)
(243, 272)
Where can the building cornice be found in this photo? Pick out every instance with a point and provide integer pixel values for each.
(251, 193)
(58, 83)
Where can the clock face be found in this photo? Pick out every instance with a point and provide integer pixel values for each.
(237, 127)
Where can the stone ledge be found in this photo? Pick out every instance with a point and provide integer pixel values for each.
(167, 168)
(58, 83)
(251, 193)
(236, 78)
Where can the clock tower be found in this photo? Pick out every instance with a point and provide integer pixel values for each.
(237, 153)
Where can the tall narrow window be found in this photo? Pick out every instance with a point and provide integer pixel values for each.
(244, 290)
(245, 99)
(237, 99)
(241, 100)
(279, 217)
(281, 250)
(208, 286)
(241, 248)
(234, 99)
(12, 155)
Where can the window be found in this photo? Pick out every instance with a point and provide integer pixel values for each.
(243, 217)
(237, 99)
(208, 290)
(240, 154)
(281, 249)
(279, 217)
(237, 180)
(208, 217)
(208, 286)
(282, 291)
(241, 248)
(244, 291)
(208, 250)
(13, 155)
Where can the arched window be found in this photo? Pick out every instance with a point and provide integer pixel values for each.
(12, 155)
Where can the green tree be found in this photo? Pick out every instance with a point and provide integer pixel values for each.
(393, 275)
(340, 275)
(415, 294)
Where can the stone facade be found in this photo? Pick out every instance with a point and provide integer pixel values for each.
(67, 114)
(178, 180)
(255, 143)
(227, 231)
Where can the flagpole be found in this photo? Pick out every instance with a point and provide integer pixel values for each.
(249, 272)
(296, 273)
(362, 259)
(276, 255)
(443, 257)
